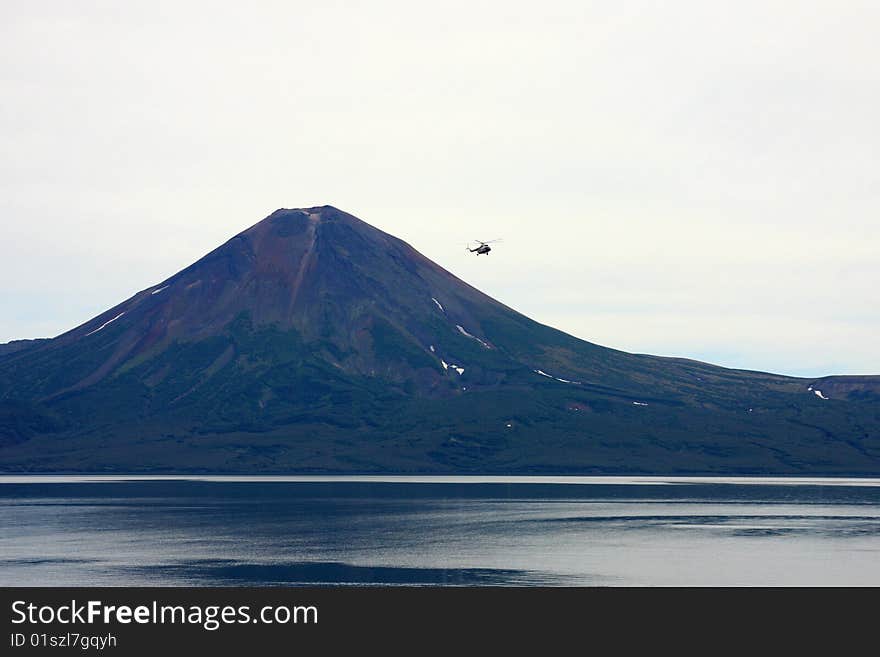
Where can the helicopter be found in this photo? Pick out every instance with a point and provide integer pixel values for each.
(483, 247)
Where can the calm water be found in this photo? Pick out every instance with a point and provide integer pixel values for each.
(618, 531)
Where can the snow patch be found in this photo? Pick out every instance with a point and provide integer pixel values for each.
(556, 378)
(439, 305)
(639, 404)
(160, 289)
(457, 368)
(462, 330)
(105, 324)
(817, 392)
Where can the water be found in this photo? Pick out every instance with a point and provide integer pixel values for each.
(561, 531)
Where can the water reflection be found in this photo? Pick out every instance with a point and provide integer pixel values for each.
(213, 531)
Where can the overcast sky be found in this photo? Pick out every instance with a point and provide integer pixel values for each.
(688, 178)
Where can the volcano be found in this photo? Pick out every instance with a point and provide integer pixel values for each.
(313, 342)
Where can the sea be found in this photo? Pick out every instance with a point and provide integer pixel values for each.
(438, 530)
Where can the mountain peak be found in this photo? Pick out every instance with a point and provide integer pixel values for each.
(288, 222)
(317, 213)
(319, 272)
(317, 210)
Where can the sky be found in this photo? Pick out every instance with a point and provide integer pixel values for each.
(686, 178)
